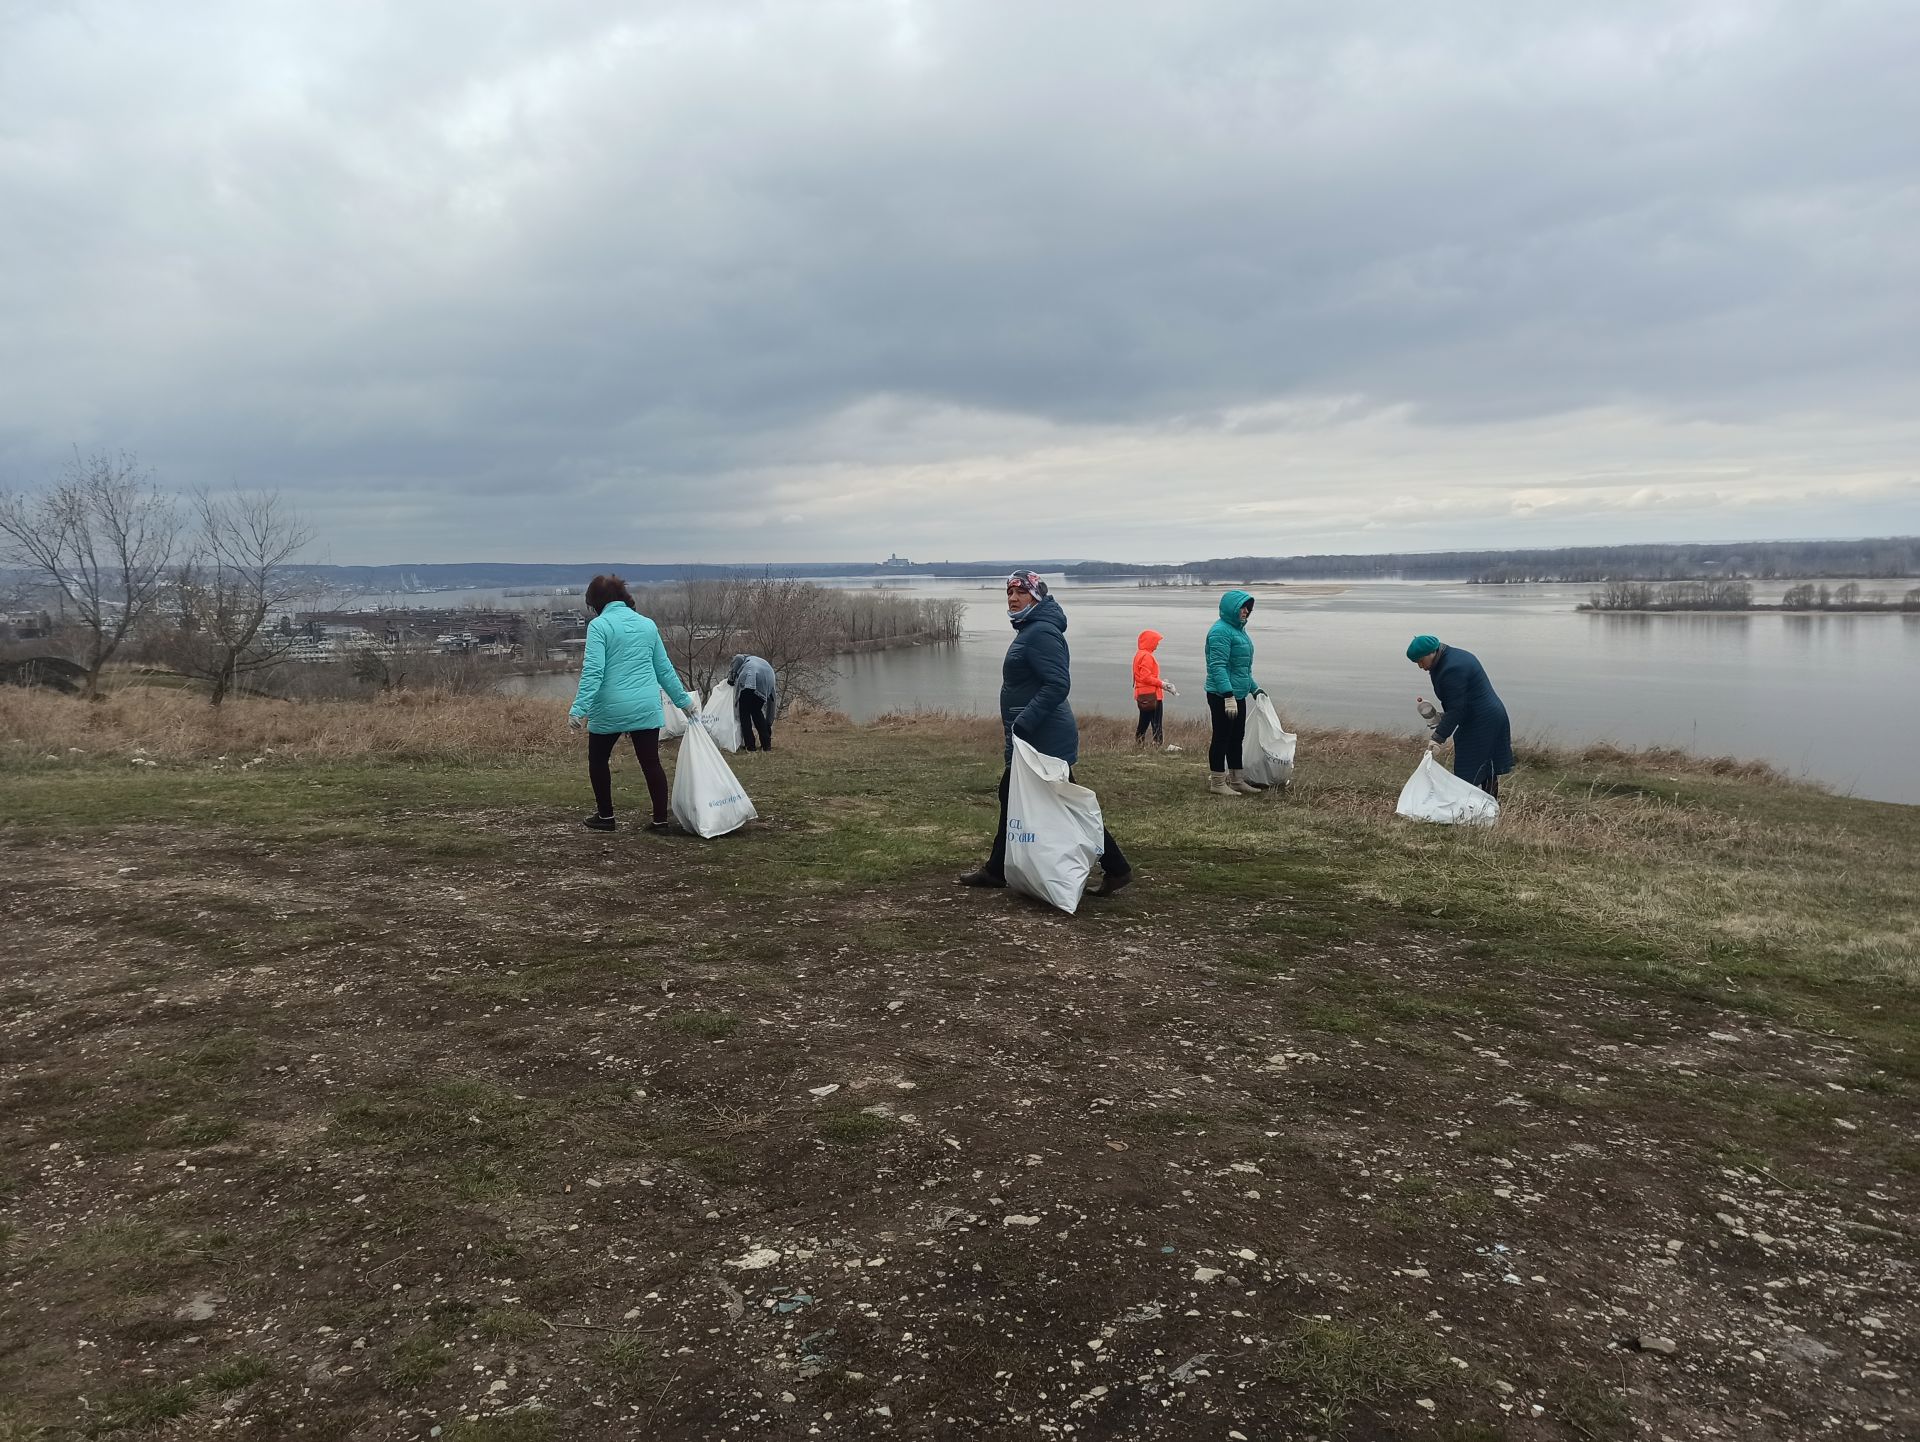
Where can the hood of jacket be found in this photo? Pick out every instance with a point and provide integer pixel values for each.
(1230, 605)
(1045, 612)
(1150, 640)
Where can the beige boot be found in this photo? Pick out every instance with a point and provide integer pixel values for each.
(1217, 785)
(1237, 784)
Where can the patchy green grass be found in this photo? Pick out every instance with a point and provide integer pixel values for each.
(707, 1025)
(1591, 1409)
(1337, 1369)
(135, 1248)
(846, 1128)
(507, 1324)
(144, 1408)
(519, 1427)
(392, 1048)
(632, 1365)
(1340, 1020)
(415, 1361)
(713, 1155)
(238, 1372)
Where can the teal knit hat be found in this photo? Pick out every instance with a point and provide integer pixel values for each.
(1422, 646)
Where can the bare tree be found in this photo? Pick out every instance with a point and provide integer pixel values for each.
(1622, 596)
(374, 667)
(795, 627)
(104, 537)
(237, 574)
(946, 619)
(703, 623)
(535, 637)
(413, 668)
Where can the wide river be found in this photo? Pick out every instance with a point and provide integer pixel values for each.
(1825, 697)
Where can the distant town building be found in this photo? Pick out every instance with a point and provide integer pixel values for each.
(895, 563)
(26, 626)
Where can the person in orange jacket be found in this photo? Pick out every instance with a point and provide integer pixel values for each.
(1149, 690)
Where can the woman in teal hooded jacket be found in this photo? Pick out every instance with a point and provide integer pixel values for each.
(621, 677)
(1229, 683)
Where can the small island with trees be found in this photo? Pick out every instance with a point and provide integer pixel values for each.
(1731, 594)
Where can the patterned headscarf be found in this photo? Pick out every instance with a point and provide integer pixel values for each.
(1028, 581)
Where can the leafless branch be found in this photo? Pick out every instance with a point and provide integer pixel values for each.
(236, 576)
(103, 537)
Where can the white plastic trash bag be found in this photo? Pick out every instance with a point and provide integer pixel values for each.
(673, 721)
(721, 716)
(1269, 748)
(707, 798)
(1053, 829)
(1434, 793)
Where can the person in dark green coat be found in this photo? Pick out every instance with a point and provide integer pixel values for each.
(1470, 713)
(1229, 683)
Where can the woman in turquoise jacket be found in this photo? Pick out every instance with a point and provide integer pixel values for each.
(1230, 680)
(621, 678)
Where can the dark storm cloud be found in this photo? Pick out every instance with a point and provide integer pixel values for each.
(795, 279)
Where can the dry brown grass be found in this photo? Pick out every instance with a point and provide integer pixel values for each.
(168, 724)
(1097, 733)
(1669, 758)
(1340, 745)
(175, 726)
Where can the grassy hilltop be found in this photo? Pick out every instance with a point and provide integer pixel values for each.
(349, 1090)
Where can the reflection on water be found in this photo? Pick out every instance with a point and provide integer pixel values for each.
(1831, 697)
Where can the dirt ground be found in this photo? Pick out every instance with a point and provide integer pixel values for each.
(466, 1125)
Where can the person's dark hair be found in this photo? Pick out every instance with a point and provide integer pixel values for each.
(604, 589)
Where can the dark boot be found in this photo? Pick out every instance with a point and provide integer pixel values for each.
(1112, 881)
(597, 822)
(983, 877)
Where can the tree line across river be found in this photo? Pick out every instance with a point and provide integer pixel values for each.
(1873, 559)
(1737, 595)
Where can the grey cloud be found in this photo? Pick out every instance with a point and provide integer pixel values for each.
(442, 269)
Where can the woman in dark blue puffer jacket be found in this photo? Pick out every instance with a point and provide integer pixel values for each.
(1471, 713)
(1034, 681)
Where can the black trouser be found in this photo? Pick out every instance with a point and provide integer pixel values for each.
(753, 715)
(1229, 732)
(646, 745)
(1112, 860)
(1153, 715)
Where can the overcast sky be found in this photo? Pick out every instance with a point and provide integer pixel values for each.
(716, 281)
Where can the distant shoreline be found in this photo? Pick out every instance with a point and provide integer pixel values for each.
(1761, 610)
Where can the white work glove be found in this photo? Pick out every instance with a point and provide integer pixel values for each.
(574, 723)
